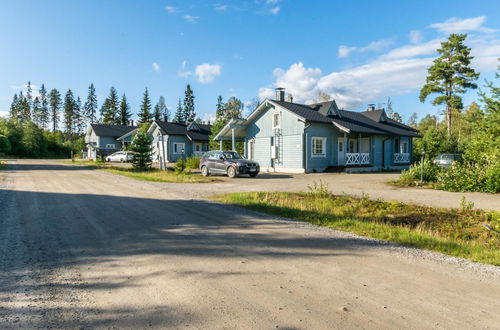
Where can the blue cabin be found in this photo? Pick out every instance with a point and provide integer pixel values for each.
(102, 140)
(296, 138)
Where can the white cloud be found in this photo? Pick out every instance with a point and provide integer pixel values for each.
(206, 73)
(220, 7)
(182, 72)
(274, 10)
(272, 2)
(406, 51)
(209, 117)
(415, 36)
(374, 46)
(458, 25)
(171, 9)
(191, 19)
(4, 114)
(155, 66)
(345, 50)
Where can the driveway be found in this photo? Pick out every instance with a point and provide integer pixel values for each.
(84, 248)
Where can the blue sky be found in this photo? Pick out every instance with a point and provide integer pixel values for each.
(357, 51)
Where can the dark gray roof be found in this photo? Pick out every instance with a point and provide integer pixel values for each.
(114, 131)
(369, 122)
(170, 128)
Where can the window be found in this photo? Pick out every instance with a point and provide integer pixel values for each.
(364, 145)
(404, 147)
(215, 155)
(276, 120)
(353, 146)
(178, 148)
(110, 146)
(197, 147)
(341, 146)
(318, 147)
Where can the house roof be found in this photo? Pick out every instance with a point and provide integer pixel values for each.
(369, 122)
(114, 131)
(197, 132)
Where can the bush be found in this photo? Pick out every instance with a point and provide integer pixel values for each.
(5, 146)
(180, 166)
(141, 147)
(471, 177)
(413, 174)
(192, 163)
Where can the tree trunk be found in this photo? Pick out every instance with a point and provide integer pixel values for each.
(448, 119)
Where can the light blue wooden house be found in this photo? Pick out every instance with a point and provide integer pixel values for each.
(174, 141)
(289, 137)
(102, 140)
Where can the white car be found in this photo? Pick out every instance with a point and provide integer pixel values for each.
(120, 156)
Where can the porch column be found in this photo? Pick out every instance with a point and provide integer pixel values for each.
(245, 148)
(346, 146)
(359, 143)
(232, 139)
(220, 144)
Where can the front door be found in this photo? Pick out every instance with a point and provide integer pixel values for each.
(341, 152)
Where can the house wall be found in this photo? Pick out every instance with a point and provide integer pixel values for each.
(170, 140)
(290, 154)
(319, 164)
(102, 141)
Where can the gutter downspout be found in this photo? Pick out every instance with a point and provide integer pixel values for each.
(304, 142)
(383, 151)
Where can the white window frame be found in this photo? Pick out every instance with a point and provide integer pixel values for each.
(198, 144)
(355, 146)
(323, 144)
(276, 115)
(176, 146)
(401, 143)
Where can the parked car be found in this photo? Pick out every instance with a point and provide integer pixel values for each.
(227, 162)
(120, 156)
(445, 160)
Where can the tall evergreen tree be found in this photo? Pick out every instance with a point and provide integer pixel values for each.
(36, 111)
(55, 107)
(161, 111)
(69, 112)
(219, 107)
(179, 114)
(29, 94)
(189, 113)
(90, 107)
(110, 108)
(44, 108)
(450, 75)
(24, 109)
(79, 117)
(14, 107)
(124, 111)
(145, 112)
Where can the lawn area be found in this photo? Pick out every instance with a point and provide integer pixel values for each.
(3, 165)
(456, 232)
(152, 175)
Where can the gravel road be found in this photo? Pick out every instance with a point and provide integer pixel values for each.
(85, 249)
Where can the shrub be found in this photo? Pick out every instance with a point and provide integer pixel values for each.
(413, 174)
(471, 177)
(318, 189)
(180, 166)
(5, 146)
(141, 147)
(192, 163)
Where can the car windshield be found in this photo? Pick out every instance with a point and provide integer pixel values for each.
(232, 155)
(445, 157)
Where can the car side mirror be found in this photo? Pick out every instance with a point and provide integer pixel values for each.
(221, 158)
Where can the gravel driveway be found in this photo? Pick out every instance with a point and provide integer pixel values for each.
(88, 249)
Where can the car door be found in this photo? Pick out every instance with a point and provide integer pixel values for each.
(210, 162)
(219, 162)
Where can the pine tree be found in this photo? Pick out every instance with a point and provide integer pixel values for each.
(44, 108)
(179, 114)
(110, 108)
(36, 111)
(90, 107)
(161, 111)
(450, 75)
(145, 112)
(189, 114)
(55, 107)
(14, 108)
(29, 94)
(79, 118)
(142, 149)
(24, 110)
(69, 112)
(124, 111)
(219, 107)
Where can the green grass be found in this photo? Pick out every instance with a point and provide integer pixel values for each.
(151, 175)
(456, 232)
(3, 165)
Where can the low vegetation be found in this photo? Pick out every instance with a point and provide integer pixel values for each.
(3, 165)
(462, 232)
(147, 175)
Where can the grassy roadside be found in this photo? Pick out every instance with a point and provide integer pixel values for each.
(152, 175)
(456, 232)
(3, 165)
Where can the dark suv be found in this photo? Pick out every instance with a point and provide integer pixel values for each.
(227, 162)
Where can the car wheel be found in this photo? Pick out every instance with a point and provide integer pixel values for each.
(231, 172)
(204, 171)
(121, 161)
(253, 175)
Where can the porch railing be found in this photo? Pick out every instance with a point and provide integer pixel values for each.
(357, 158)
(401, 158)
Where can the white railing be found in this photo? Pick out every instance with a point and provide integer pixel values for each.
(401, 158)
(357, 158)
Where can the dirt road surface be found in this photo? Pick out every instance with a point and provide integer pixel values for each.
(85, 249)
